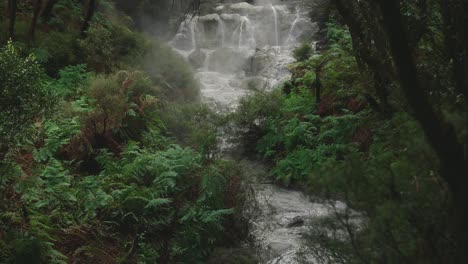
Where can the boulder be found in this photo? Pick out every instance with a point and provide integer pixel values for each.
(210, 17)
(279, 248)
(255, 83)
(237, 60)
(295, 222)
(197, 58)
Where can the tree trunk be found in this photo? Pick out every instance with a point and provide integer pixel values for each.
(92, 4)
(372, 61)
(47, 11)
(12, 9)
(32, 27)
(440, 134)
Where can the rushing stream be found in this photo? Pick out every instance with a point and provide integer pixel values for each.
(235, 50)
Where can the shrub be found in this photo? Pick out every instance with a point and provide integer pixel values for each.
(303, 52)
(72, 82)
(251, 116)
(109, 46)
(58, 49)
(25, 97)
(171, 72)
(99, 48)
(199, 129)
(113, 110)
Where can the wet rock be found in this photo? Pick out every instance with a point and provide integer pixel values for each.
(254, 83)
(245, 8)
(235, 83)
(232, 17)
(210, 17)
(237, 60)
(197, 59)
(279, 248)
(295, 222)
(183, 40)
(262, 59)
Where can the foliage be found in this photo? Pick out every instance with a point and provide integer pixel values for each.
(199, 129)
(57, 49)
(109, 46)
(403, 202)
(253, 112)
(300, 140)
(72, 81)
(396, 208)
(25, 97)
(302, 52)
(159, 62)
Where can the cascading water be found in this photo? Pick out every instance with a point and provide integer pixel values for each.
(275, 17)
(291, 38)
(222, 31)
(192, 34)
(234, 51)
(241, 47)
(241, 30)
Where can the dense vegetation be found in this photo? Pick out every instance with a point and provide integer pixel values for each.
(96, 165)
(377, 120)
(107, 156)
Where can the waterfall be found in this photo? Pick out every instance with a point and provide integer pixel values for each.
(275, 16)
(251, 41)
(192, 34)
(291, 39)
(206, 64)
(222, 31)
(241, 30)
(239, 46)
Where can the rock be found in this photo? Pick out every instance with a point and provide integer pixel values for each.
(242, 8)
(254, 83)
(261, 60)
(240, 75)
(233, 17)
(210, 17)
(295, 222)
(235, 83)
(237, 60)
(197, 58)
(279, 248)
(209, 31)
(219, 8)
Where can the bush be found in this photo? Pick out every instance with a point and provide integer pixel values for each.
(72, 82)
(302, 52)
(171, 72)
(113, 110)
(25, 97)
(194, 125)
(250, 118)
(58, 49)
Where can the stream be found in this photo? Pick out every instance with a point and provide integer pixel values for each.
(235, 50)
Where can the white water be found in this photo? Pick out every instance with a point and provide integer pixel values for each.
(291, 38)
(222, 31)
(206, 64)
(275, 16)
(192, 34)
(241, 30)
